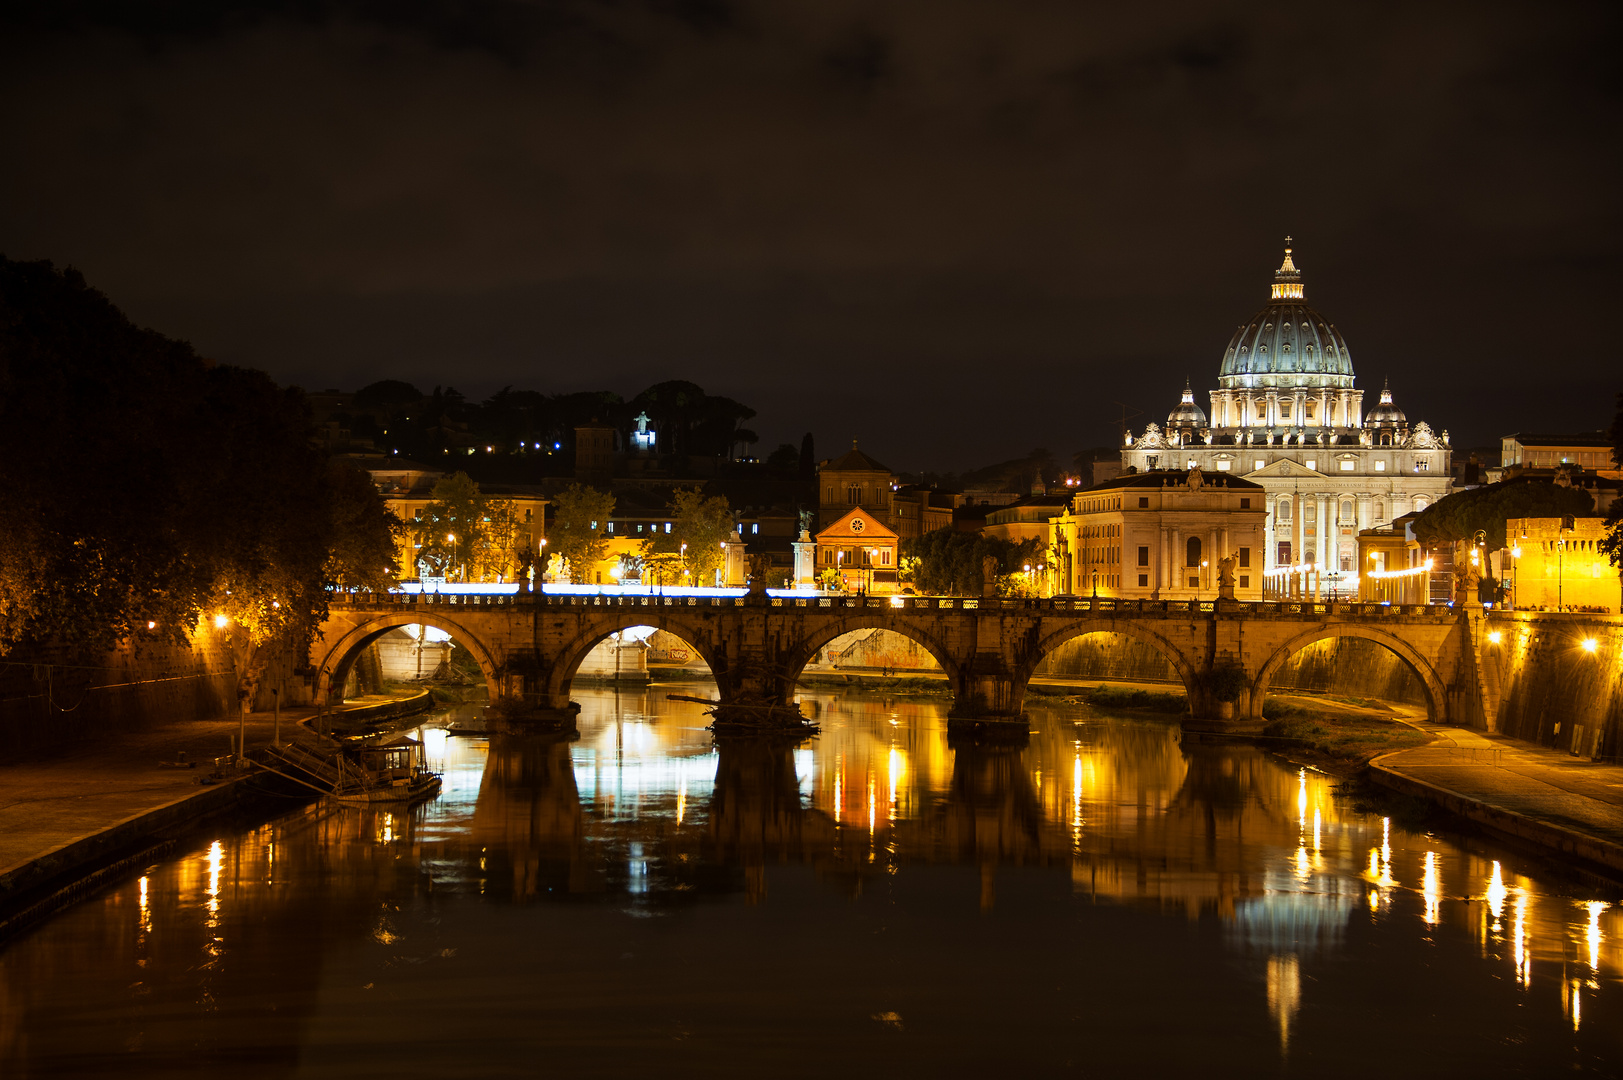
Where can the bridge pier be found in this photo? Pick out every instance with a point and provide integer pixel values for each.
(988, 700)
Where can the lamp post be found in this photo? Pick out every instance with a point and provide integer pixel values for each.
(684, 560)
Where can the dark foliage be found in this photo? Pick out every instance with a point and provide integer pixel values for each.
(952, 563)
(1460, 515)
(149, 487)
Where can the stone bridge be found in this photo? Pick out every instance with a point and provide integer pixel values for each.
(530, 645)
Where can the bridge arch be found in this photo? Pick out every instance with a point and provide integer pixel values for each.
(1181, 665)
(1436, 694)
(801, 652)
(560, 679)
(333, 671)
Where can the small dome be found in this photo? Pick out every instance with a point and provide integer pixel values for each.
(1385, 414)
(1287, 343)
(1187, 414)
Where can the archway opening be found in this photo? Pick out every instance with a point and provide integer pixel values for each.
(871, 652)
(406, 659)
(1347, 693)
(1110, 668)
(638, 655)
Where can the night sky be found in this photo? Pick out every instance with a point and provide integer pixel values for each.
(957, 231)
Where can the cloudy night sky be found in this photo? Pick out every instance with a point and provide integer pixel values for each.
(957, 231)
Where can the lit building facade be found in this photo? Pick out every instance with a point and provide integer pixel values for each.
(1161, 536)
(1557, 565)
(1288, 415)
(859, 552)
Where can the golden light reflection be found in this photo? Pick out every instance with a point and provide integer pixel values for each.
(1572, 1001)
(873, 806)
(894, 770)
(1284, 994)
(145, 921)
(215, 856)
(386, 828)
(1304, 867)
(1301, 799)
(1496, 894)
(1316, 830)
(1432, 888)
(1593, 933)
(681, 802)
(1076, 797)
(839, 787)
(1521, 947)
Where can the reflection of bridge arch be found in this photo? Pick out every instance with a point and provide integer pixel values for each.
(1168, 651)
(333, 671)
(563, 672)
(801, 652)
(1436, 695)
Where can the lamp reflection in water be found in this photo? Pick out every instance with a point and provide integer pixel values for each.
(1284, 995)
(1431, 887)
(1520, 946)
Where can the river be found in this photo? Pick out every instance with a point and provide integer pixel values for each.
(1108, 900)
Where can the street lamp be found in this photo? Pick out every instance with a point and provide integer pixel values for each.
(684, 560)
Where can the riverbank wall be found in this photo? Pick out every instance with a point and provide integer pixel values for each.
(42, 884)
(1556, 680)
(55, 698)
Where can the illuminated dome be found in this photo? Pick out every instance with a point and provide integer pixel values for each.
(1287, 343)
(1187, 414)
(1385, 414)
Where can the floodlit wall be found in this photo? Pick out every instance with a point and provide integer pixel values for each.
(1561, 679)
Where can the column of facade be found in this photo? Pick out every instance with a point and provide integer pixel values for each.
(1327, 535)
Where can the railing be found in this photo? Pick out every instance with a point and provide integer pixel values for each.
(904, 603)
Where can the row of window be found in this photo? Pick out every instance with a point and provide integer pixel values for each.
(854, 557)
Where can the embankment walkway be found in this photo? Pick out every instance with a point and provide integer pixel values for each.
(68, 815)
(1570, 804)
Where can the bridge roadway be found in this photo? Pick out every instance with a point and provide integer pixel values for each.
(531, 645)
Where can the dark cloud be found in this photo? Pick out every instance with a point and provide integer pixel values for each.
(958, 230)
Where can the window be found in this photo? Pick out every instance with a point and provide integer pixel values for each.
(884, 557)
(1245, 581)
(1194, 582)
(1284, 553)
(1284, 510)
(1348, 464)
(1192, 463)
(639, 528)
(1245, 504)
(1312, 463)
(755, 528)
(1245, 556)
(1422, 465)
(1143, 581)
(611, 526)
(1258, 464)
(1149, 462)
(1223, 465)
(1191, 552)
(419, 514)
(667, 527)
(853, 494)
(1143, 556)
(1143, 502)
(1420, 503)
(1380, 466)
(1309, 406)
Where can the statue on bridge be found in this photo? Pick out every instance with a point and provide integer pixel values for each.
(1225, 575)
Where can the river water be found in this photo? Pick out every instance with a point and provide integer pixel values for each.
(1105, 901)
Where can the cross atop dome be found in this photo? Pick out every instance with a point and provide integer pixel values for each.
(1287, 279)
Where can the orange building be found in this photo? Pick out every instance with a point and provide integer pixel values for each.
(859, 552)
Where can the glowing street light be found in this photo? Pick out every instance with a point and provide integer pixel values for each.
(1590, 644)
(221, 622)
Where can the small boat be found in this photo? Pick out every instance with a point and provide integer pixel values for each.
(387, 769)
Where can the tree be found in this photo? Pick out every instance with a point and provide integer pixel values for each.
(153, 493)
(947, 562)
(580, 528)
(784, 461)
(1612, 543)
(1461, 515)
(702, 525)
(451, 533)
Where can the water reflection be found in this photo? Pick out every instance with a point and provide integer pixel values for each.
(1241, 892)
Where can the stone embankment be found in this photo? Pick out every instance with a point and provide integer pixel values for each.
(1566, 804)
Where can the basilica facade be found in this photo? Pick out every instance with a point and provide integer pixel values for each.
(1288, 415)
